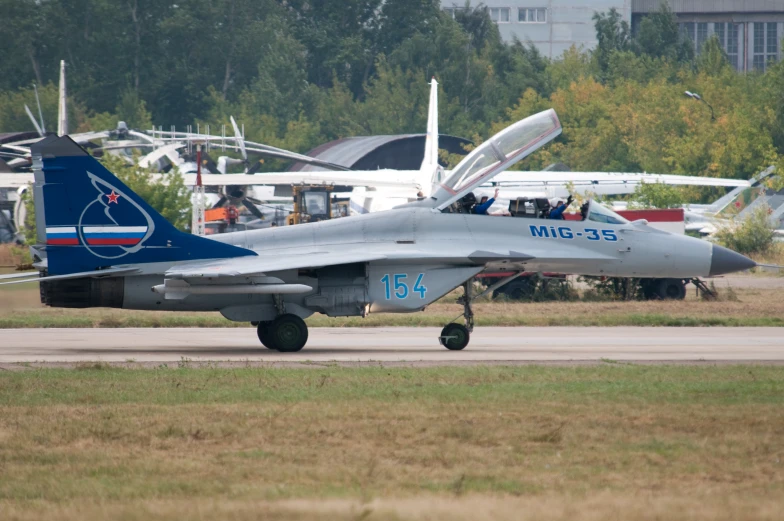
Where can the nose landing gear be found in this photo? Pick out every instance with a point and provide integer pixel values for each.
(456, 336)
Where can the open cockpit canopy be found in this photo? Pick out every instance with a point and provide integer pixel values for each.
(496, 155)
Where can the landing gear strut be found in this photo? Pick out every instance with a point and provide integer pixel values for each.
(288, 333)
(456, 336)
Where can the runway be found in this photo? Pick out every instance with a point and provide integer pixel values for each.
(405, 346)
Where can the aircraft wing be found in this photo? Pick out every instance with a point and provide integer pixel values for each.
(397, 179)
(82, 138)
(400, 179)
(259, 265)
(15, 180)
(249, 146)
(540, 179)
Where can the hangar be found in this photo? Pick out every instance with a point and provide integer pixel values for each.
(398, 152)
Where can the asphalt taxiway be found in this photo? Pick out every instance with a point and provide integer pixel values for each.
(410, 346)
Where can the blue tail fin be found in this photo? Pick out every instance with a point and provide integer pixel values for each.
(88, 219)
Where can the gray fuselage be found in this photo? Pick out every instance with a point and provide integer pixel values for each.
(422, 255)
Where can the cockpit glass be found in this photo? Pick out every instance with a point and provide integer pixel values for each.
(602, 214)
(525, 134)
(479, 163)
(315, 203)
(511, 143)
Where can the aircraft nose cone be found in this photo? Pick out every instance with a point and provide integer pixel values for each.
(727, 261)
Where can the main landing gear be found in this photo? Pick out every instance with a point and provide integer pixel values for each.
(288, 333)
(456, 336)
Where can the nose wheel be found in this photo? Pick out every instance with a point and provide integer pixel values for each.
(454, 336)
(288, 333)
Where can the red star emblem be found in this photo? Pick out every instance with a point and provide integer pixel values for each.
(113, 197)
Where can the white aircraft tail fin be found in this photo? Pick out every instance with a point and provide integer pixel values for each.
(62, 109)
(430, 169)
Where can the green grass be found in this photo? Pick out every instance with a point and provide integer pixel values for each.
(102, 384)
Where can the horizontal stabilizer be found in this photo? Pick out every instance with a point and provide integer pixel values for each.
(22, 275)
(92, 274)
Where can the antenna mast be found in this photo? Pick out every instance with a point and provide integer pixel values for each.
(199, 199)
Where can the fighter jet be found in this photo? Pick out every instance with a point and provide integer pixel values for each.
(103, 246)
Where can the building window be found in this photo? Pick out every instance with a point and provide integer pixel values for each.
(687, 30)
(727, 35)
(451, 11)
(765, 44)
(500, 14)
(702, 35)
(537, 15)
(732, 45)
(773, 41)
(718, 30)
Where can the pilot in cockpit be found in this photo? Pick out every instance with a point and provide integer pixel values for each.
(470, 205)
(559, 208)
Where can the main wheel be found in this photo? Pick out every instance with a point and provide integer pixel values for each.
(671, 289)
(263, 330)
(518, 289)
(454, 337)
(288, 333)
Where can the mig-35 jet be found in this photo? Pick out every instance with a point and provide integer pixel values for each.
(103, 246)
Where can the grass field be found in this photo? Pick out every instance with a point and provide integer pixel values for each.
(612, 441)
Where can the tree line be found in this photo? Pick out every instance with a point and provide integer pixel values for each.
(299, 73)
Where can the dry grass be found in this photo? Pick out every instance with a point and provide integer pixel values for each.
(775, 256)
(451, 443)
(12, 255)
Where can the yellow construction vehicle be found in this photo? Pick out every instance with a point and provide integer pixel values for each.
(311, 204)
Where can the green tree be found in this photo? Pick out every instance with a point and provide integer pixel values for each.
(658, 37)
(14, 118)
(656, 195)
(752, 236)
(712, 59)
(612, 35)
(167, 194)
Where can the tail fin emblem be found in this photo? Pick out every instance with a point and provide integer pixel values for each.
(111, 226)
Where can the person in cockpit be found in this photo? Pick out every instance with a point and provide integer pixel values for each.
(559, 209)
(484, 206)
